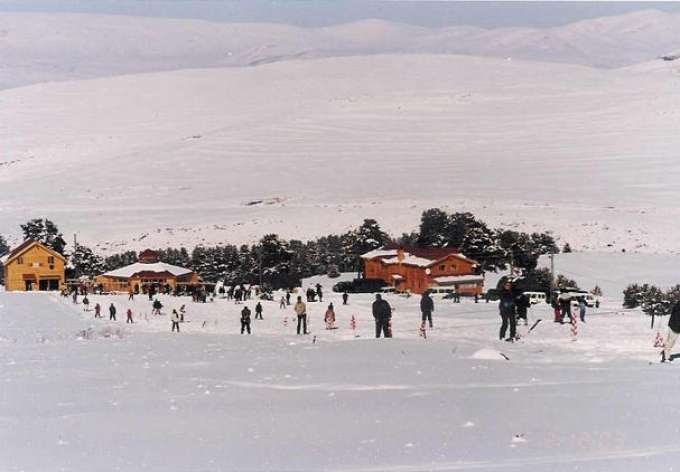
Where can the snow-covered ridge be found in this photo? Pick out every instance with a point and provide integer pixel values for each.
(137, 267)
(170, 158)
(38, 47)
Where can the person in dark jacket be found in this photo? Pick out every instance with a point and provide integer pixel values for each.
(112, 313)
(522, 304)
(258, 311)
(672, 334)
(565, 307)
(245, 319)
(507, 312)
(345, 297)
(382, 312)
(426, 307)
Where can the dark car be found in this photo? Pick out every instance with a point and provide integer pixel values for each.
(360, 286)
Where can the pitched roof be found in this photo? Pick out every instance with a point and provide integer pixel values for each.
(417, 256)
(157, 267)
(25, 246)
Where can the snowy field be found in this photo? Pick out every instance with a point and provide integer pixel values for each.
(209, 398)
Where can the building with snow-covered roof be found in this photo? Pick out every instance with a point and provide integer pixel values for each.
(33, 266)
(412, 269)
(148, 272)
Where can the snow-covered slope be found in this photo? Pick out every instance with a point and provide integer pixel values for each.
(307, 147)
(37, 47)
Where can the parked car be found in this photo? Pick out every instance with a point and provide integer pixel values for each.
(360, 286)
(536, 297)
(333, 271)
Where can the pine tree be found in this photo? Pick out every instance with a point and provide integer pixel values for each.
(85, 262)
(4, 247)
(434, 228)
(46, 232)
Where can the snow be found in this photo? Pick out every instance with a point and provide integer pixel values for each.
(379, 253)
(137, 267)
(142, 398)
(410, 259)
(45, 47)
(97, 157)
(449, 279)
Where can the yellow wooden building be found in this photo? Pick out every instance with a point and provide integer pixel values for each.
(33, 266)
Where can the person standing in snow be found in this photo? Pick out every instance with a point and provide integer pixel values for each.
(582, 307)
(129, 316)
(157, 305)
(182, 312)
(75, 296)
(288, 298)
(86, 304)
(522, 303)
(245, 319)
(282, 303)
(426, 307)
(345, 297)
(258, 311)
(506, 308)
(382, 313)
(301, 311)
(319, 292)
(565, 307)
(672, 334)
(131, 295)
(329, 317)
(175, 321)
(112, 312)
(97, 311)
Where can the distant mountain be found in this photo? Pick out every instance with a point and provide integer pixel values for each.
(38, 47)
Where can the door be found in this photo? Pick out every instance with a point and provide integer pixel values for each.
(54, 285)
(29, 285)
(42, 285)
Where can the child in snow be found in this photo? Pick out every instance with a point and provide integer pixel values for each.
(86, 304)
(245, 319)
(129, 316)
(345, 296)
(258, 311)
(182, 311)
(175, 321)
(157, 305)
(329, 318)
(97, 311)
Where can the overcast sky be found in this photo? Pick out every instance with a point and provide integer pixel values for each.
(325, 12)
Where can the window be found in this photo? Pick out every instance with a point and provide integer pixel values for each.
(442, 267)
(50, 260)
(20, 260)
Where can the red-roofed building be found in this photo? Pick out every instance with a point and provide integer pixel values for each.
(411, 269)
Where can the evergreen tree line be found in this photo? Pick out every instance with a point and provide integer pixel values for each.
(653, 300)
(282, 263)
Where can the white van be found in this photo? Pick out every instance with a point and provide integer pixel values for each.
(535, 297)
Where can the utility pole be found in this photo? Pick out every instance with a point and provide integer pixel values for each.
(552, 274)
(260, 260)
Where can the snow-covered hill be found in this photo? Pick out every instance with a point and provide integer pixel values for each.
(303, 148)
(38, 47)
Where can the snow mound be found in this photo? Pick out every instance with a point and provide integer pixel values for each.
(488, 354)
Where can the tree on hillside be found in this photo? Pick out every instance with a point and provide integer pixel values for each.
(85, 262)
(480, 244)
(434, 228)
(4, 247)
(45, 232)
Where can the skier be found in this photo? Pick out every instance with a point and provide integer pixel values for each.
(329, 317)
(426, 307)
(112, 312)
(258, 311)
(522, 303)
(157, 305)
(282, 303)
(182, 311)
(245, 319)
(582, 306)
(382, 312)
(345, 297)
(506, 308)
(672, 334)
(301, 311)
(175, 321)
(129, 316)
(86, 303)
(97, 311)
